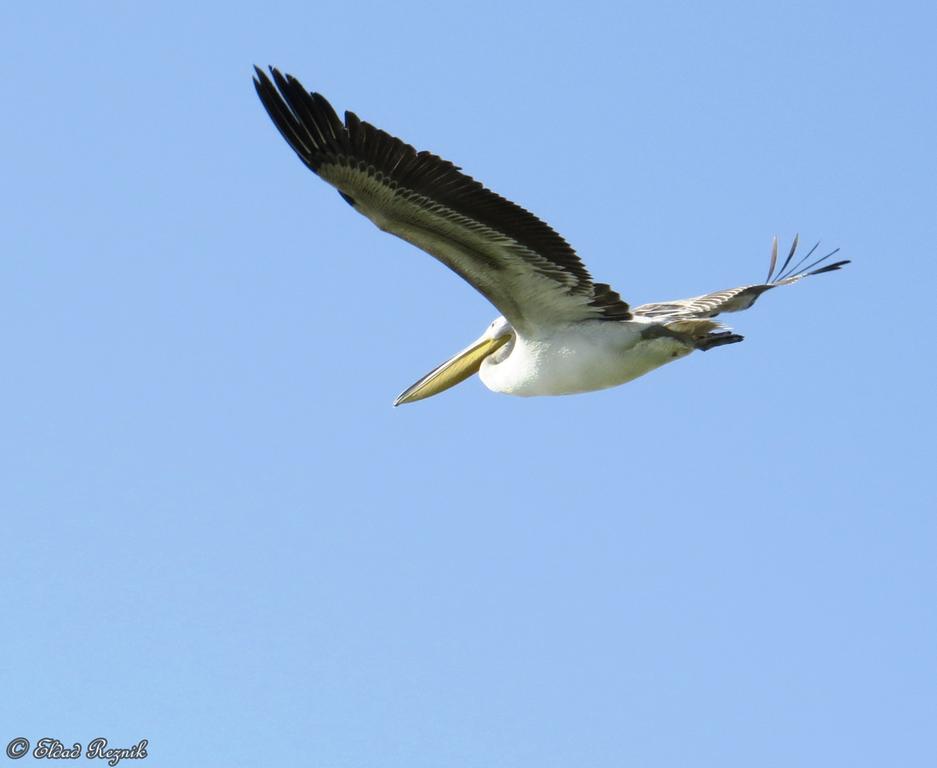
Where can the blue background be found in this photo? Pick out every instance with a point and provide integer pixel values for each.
(219, 536)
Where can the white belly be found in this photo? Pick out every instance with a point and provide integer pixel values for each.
(580, 358)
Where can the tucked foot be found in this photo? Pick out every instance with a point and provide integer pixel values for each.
(717, 340)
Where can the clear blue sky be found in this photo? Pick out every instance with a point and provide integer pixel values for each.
(218, 535)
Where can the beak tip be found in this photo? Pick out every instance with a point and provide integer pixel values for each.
(457, 369)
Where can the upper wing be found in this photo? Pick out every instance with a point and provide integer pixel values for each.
(515, 260)
(737, 299)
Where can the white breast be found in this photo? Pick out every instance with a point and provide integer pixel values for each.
(579, 358)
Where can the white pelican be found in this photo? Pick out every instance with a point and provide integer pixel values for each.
(559, 332)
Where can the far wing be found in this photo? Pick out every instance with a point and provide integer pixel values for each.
(737, 299)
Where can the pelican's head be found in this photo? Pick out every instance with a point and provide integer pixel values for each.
(494, 344)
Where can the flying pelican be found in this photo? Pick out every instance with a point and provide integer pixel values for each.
(559, 331)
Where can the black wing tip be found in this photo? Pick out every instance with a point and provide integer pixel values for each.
(305, 119)
(261, 81)
(261, 78)
(830, 267)
(791, 273)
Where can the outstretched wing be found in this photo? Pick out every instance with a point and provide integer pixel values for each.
(515, 260)
(737, 299)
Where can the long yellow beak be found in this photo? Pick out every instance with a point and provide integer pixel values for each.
(451, 372)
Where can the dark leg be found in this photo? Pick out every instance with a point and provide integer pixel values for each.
(711, 340)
